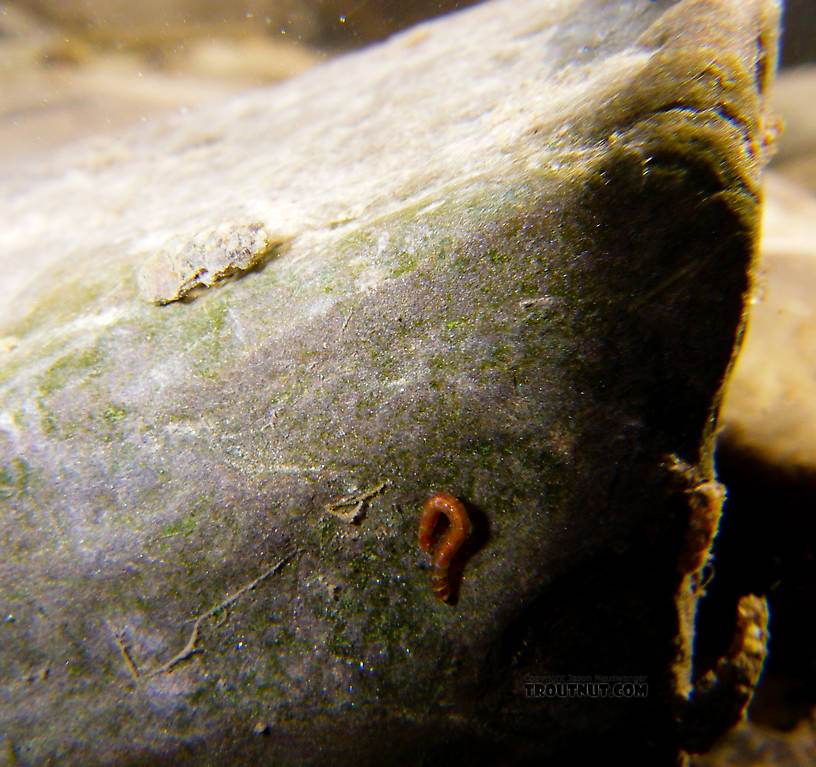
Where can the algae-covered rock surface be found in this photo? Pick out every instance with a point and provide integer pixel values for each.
(506, 256)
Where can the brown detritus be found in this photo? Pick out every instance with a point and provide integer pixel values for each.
(705, 503)
(717, 699)
(720, 697)
(352, 507)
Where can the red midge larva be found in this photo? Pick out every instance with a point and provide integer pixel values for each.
(449, 544)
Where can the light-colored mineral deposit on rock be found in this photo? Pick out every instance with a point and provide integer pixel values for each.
(518, 244)
(208, 259)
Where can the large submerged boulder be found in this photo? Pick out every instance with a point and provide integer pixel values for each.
(506, 256)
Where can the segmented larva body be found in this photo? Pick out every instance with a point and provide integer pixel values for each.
(448, 545)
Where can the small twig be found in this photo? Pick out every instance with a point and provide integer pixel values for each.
(346, 322)
(190, 648)
(354, 503)
(117, 638)
(542, 301)
(167, 535)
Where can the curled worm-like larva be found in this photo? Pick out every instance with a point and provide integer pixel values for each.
(448, 545)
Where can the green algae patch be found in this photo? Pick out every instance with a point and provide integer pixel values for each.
(14, 478)
(76, 366)
(113, 414)
(182, 526)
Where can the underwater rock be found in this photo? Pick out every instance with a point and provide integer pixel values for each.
(795, 156)
(770, 411)
(505, 257)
